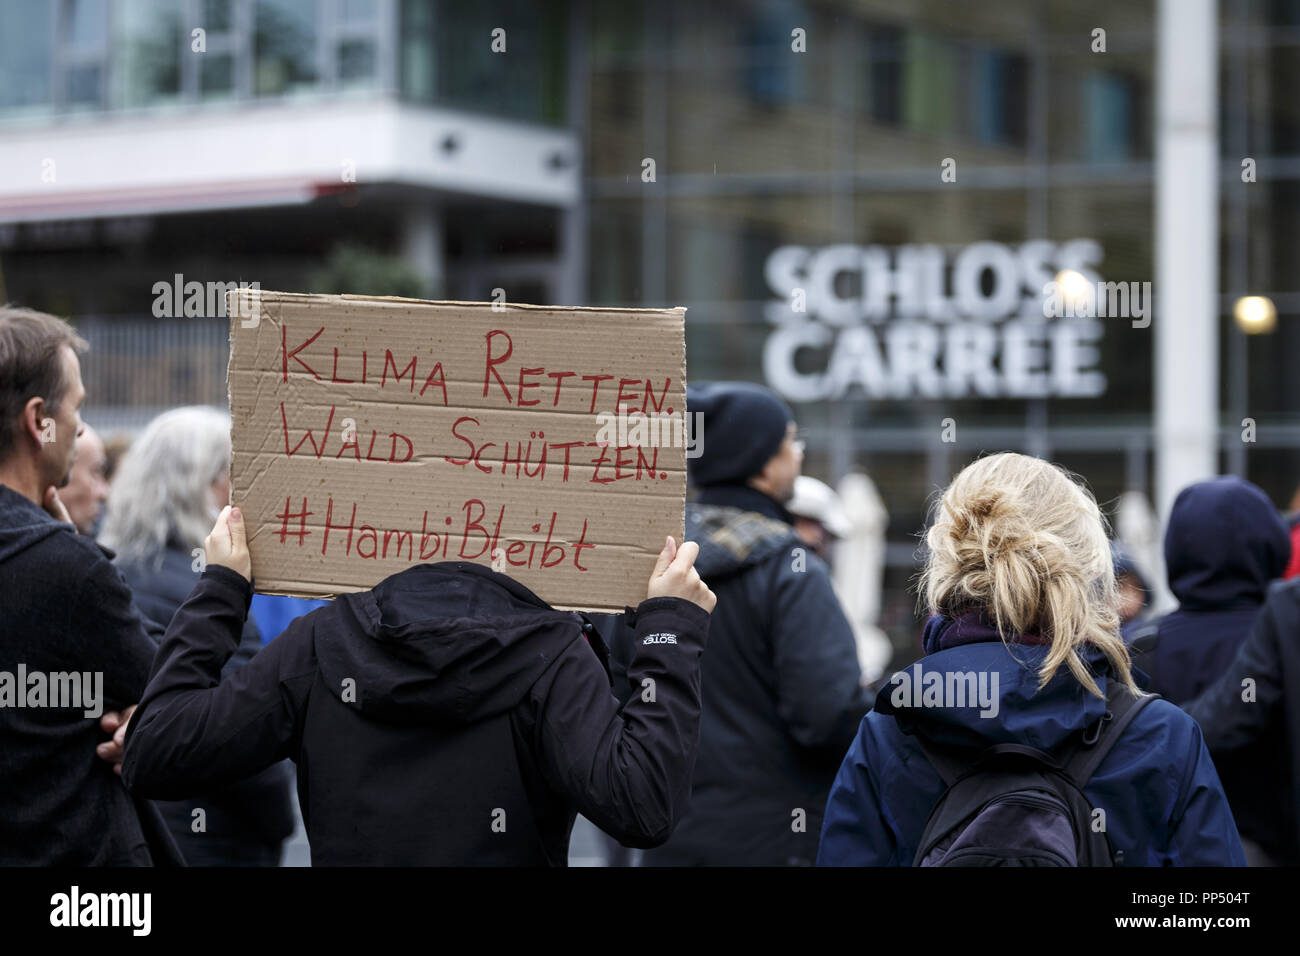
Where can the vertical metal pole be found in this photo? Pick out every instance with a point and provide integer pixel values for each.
(1036, 158)
(1239, 245)
(388, 45)
(1187, 233)
(422, 244)
(843, 436)
(573, 249)
(1036, 204)
(654, 229)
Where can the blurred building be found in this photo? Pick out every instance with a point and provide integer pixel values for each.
(822, 172)
(859, 202)
(149, 144)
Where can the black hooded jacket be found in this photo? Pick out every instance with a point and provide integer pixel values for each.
(782, 693)
(1250, 717)
(64, 608)
(448, 716)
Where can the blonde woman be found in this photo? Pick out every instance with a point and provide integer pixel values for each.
(1025, 679)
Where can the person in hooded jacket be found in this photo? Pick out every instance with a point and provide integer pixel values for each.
(782, 688)
(172, 483)
(1021, 586)
(447, 716)
(1224, 544)
(1253, 708)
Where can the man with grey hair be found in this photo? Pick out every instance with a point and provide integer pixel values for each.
(69, 622)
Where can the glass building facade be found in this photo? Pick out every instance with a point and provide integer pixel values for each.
(760, 148)
(69, 56)
(917, 171)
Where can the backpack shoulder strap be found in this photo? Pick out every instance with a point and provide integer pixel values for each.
(952, 765)
(1121, 707)
(1079, 765)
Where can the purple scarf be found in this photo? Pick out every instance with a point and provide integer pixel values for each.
(972, 627)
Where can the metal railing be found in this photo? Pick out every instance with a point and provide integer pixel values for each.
(139, 367)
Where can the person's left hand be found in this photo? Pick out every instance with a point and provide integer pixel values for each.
(114, 722)
(54, 506)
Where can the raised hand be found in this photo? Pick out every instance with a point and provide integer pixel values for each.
(674, 575)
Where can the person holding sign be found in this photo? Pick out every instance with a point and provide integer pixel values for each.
(447, 716)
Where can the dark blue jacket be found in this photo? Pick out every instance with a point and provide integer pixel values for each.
(1251, 720)
(781, 689)
(1163, 801)
(1224, 544)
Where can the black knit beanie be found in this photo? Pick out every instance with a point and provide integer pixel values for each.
(744, 426)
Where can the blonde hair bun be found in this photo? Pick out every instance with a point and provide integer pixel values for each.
(1023, 541)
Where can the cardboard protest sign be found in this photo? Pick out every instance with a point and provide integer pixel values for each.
(370, 434)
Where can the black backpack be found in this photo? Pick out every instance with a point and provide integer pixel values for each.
(1014, 805)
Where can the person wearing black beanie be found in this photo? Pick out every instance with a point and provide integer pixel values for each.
(750, 454)
(781, 688)
(744, 427)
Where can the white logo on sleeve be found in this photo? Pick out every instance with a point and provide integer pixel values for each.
(660, 639)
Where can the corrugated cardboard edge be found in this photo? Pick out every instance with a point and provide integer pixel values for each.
(506, 306)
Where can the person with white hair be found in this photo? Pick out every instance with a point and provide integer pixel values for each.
(169, 489)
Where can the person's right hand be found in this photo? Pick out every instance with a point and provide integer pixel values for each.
(227, 544)
(675, 576)
(114, 722)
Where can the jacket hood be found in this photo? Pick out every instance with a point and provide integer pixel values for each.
(1224, 544)
(997, 701)
(451, 642)
(24, 524)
